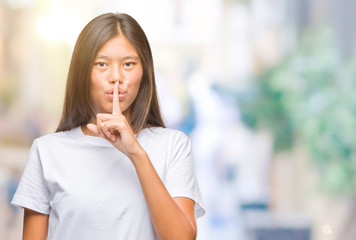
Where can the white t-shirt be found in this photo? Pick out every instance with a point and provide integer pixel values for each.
(91, 190)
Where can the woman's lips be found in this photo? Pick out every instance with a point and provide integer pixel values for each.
(111, 94)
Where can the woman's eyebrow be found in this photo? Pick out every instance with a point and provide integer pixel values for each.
(134, 57)
(100, 56)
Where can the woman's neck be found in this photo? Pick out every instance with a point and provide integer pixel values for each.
(86, 131)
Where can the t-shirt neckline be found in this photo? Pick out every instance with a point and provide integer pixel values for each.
(79, 133)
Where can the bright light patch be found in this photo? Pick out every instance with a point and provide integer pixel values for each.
(326, 229)
(58, 26)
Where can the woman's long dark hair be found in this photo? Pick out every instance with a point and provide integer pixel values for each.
(78, 106)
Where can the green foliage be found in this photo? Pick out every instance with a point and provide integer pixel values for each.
(310, 97)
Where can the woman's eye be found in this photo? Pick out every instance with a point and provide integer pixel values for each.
(101, 64)
(129, 64)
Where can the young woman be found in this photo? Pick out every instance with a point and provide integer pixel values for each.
(112, 170)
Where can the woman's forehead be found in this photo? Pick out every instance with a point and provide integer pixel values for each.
(118, 47)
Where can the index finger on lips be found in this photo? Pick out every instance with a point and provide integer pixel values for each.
(116, 102)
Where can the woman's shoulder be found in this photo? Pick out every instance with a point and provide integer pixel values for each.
(164, 134)
(65, 135)
(163, 131)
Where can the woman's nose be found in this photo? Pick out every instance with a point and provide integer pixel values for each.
(116, 74)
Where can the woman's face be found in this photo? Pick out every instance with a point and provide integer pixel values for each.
(116, 61)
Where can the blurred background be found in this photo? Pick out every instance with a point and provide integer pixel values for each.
(265, 89)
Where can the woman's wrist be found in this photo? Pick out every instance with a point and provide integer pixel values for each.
(138, 156)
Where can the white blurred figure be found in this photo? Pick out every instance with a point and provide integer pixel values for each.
(213, 118)
(232, 161)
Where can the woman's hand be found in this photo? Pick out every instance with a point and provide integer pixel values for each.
(116, 129)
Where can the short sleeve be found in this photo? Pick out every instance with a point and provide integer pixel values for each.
(181, 177)
(31, 192)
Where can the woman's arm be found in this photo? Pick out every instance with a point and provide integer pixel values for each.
(35, 225)
(171, 218)
(187, 205)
